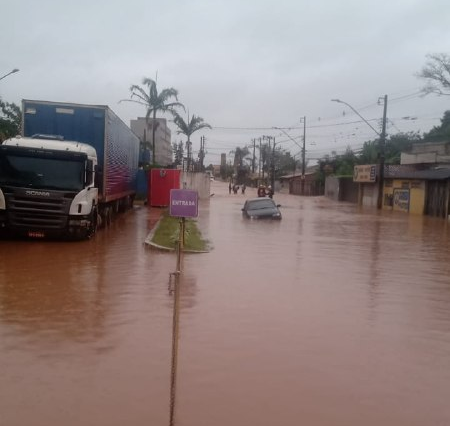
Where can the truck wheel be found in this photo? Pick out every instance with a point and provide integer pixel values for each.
(94, 221)
(108, 216)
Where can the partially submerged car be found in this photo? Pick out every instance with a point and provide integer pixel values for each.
(261, 208)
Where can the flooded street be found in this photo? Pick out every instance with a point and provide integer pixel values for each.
(332, 316)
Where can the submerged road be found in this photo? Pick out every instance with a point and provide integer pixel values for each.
(332, 316)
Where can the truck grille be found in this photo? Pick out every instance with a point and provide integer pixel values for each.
(38, 212)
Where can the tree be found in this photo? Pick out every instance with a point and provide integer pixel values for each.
(240, 155)
(178, 153)
(345, 163)
(369, 153)
(285, 163)
(436, 72)
(10, 120)
(188, 128)
(396, 144)
(241, 163)
(154, 102)
(439, 133)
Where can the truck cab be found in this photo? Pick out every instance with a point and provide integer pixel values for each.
(48, 187)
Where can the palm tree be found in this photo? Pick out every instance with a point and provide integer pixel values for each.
(188, 128)
(240, 168)
(240, 154)
(154, 102)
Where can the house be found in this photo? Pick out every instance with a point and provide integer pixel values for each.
(424, 191)
(307, 184)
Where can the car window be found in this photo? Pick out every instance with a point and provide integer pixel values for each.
(266, 203)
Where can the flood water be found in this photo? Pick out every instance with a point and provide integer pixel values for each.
(332, 316)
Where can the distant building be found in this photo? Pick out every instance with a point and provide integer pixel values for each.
(303, 185)
(427, 153)
(216, 170)
(163, 146)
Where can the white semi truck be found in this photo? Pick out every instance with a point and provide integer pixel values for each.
(73, 168)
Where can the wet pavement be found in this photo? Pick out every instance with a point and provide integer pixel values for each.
(331, 316)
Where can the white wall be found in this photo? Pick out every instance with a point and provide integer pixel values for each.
(370, 194)
(199, 182)
(163, 146)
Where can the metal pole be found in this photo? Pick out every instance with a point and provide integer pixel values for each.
(259, 160)
(253, 161)
(11, 72)
(382, 146)
(273, 167)
(357, 113)
(175, 339)
(175, 325)
(303, 158)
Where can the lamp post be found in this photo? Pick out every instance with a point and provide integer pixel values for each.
(382, 144)
(11, 72)
(272, 161)
(303, 158)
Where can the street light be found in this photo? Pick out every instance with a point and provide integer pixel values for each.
(11, 72)
(357, 113)
(382, 136)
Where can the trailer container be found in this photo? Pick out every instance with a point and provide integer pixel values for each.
(72, 169)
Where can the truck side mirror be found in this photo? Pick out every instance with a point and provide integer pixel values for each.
(98, 176)
(89, 172)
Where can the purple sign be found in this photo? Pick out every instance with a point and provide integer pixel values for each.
(183, 203)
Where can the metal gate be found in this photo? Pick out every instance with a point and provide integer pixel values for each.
(436, 203)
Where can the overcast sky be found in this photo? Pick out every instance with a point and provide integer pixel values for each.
(245, 66)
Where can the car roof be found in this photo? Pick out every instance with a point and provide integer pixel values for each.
(258, 199)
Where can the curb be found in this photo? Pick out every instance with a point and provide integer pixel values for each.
(148, 242)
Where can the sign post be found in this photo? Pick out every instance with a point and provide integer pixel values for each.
(183, 204)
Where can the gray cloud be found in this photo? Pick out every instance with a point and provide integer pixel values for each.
(235, 63)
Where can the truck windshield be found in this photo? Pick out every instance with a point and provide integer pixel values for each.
(37, 172)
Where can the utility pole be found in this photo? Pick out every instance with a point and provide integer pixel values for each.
(269, 153)
(382, 143)
(202, 152)
(382, 146)
(259, 168)
(253, 161)
(272, 180)
(303, 158)
(272, 160)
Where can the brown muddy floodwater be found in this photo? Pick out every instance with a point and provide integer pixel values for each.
(333, 316)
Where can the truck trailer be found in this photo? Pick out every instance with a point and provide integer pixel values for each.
(73, 167)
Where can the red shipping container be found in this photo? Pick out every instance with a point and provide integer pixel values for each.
(161, 182)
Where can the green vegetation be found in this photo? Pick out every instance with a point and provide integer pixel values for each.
(342, 165)
(187, 128)
(168, 230)
(10, 120)
(154, 102)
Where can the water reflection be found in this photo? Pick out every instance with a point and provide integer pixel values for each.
(333, 315)
(48, 287)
